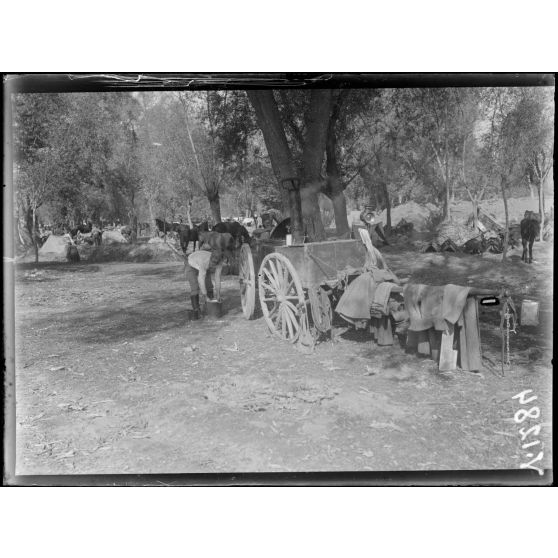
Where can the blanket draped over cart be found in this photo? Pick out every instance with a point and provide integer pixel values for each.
(367, 298)
(443, 324)
(442, 320)
(433, 306)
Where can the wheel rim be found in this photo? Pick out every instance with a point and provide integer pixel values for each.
(281, 297)
(247, 280)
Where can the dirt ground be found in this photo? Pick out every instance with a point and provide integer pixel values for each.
(112, 378)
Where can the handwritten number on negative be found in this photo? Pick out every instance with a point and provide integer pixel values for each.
(536, 430)
(522, 414)
(521, 397)
(530, 464)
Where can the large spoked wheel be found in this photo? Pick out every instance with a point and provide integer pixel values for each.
(281, 297)
(247, 278)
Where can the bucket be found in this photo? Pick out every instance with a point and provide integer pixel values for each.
(214, 308)
(529, 313)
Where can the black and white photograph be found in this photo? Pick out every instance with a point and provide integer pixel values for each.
(347, 275)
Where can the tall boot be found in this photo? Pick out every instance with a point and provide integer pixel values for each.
(209, 294)
(195, 300)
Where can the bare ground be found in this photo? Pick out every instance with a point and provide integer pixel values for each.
(112, 378)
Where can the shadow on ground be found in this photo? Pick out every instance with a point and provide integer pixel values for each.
(63, 267)
(166, 271)
(141, 318)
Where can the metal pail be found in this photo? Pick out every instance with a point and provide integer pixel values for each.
(214, 308)
(529, 313)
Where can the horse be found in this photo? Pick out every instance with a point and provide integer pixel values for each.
(220, 242)
(163, 226)
(530, 229)
(187, 234)
(236, 230)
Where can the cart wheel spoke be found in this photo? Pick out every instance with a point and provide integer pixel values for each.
(272, 283)
(289, 323)
(289, 287)
(292, 322)
(292, 307)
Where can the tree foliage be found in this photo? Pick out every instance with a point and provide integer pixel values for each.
(137, 156)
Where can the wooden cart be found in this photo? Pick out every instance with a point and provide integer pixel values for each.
(284, 281)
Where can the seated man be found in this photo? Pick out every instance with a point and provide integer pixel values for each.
(196, 267)
(369, 218)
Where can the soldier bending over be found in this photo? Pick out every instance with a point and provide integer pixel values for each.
(196, 267)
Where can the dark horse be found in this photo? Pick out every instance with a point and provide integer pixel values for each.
(163, 226)
(530, 229)
(187, 234)
(236, 230)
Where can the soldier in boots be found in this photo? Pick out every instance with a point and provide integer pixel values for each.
(196, 266)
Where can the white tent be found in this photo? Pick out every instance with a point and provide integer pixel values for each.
(54, 248)
(113, 237)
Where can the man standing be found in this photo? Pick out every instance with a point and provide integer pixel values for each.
(196, 266)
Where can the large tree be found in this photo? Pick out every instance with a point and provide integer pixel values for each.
(298, 167)
(271, 125)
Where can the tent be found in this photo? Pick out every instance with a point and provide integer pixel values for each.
(54, 249)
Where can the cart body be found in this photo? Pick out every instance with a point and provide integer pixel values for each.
(284, 282)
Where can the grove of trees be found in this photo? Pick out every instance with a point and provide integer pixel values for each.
(134, 156)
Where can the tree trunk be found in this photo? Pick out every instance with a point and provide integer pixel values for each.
(531, 190)
(447, 180)
(269, 121)
(286, 204)
(134, 229)
(447, 201)
(215, 206)
(30, 229)
(317, 120)
(388, 207)
(311, 215)
(295, 205)
(35, 236)
(507, 231)
(334, 189)
(151, 217)
(541, 209)
(475, 213)
(340, 212)
(189, 214)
